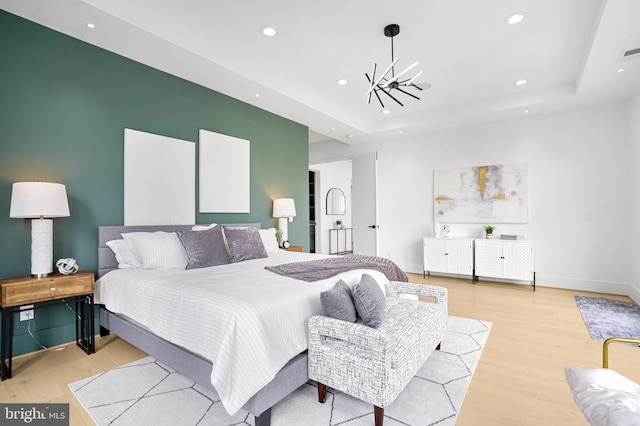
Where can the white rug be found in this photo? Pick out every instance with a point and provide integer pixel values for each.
(147, 392)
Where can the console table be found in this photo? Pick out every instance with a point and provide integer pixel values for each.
(342, 239)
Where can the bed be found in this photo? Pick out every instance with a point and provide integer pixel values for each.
(254, 362)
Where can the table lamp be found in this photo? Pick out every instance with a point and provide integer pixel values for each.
(39, 201)
(283, 209)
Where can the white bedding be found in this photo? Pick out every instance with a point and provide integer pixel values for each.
(248, 321)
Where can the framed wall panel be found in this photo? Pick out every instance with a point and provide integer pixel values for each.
(224, 176)
(485, 194)
(159, 180)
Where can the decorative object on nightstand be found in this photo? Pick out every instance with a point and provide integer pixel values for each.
(293, 248)
(338, 224)
(40, 201)
(279, 237)
(284, 209)
(488, 229)
(445, 231)
(67, 266)
(76, 289)
(285, 244)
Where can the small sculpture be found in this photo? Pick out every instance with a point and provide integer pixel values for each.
(67, 266)
(445, 231)
(436, 230)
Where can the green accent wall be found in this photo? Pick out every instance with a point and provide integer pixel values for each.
(64, 105)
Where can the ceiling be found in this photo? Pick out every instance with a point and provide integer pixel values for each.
(569, 51)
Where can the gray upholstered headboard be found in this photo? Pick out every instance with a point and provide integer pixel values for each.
(107, 260)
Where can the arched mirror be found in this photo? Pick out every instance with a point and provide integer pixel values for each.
(336, 203)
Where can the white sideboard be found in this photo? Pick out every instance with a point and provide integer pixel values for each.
(506, 259)
(448, 255)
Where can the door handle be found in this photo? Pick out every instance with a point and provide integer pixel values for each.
(374, 226)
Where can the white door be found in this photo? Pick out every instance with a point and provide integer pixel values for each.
(364, 214)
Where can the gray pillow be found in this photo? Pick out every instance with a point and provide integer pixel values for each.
(338, 303)
(369, 300)
(244, 244)
(204, 248)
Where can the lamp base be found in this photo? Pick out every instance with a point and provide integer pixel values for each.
(282, 225)
(41, 247)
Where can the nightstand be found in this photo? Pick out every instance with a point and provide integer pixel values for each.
(18, 291)
(293, 248)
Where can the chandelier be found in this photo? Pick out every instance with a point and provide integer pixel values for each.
(386, 83)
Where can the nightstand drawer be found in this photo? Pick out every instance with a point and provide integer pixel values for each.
(26, 290)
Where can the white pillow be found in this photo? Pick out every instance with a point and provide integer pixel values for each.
(124, 254)
(605, 397)
(158, 250)
(203, 227)
(269, 240)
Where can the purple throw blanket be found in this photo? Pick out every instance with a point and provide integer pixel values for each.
(315, 270)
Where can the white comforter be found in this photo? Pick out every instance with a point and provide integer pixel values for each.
(248, 321)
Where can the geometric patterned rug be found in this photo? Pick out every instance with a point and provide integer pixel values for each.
(147, 392)
(607, 318)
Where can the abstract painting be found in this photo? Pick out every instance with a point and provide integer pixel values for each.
(484, 194)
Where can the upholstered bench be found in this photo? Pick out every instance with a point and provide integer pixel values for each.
(375, 364)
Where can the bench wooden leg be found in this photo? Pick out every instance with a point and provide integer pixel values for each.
(322, 393)
(378, 414)
(438, 347)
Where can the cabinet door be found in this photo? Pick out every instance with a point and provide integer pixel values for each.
(489, 258)
(518, 260)
(435, 258)
(460, 257)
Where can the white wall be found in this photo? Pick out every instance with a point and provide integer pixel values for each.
(335, 174)
(634, 211)
(579, 190)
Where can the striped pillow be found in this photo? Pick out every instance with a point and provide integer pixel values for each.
(157, 250)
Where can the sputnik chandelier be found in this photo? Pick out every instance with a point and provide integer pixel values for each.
(388, 83)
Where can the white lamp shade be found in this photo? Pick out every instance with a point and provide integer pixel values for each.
(38, 199)
(284, 207)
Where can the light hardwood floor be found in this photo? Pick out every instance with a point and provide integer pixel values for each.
(519, 380)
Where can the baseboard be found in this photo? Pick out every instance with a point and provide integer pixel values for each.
(607, 287)
(634, 293)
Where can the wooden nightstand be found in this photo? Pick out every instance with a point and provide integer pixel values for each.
(293, 248)
(18, 291)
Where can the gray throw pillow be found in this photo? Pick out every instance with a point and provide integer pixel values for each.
(369, 300)
(244, 244)
(204, 248)
(338, 303)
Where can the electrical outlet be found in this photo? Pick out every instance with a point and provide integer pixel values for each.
(26, 315)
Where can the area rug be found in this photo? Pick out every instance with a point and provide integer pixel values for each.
(607, 318)
(147, 392)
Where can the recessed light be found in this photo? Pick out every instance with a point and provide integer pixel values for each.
(268, 31)
(257, 95)
(333, 128)
(520, 82)
(526, 111)
(401, 132)
(620, 69)
(386, 111)
(515, 18)
(342, 82)
(90, 25)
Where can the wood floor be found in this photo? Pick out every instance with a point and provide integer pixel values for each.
(519, 380)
